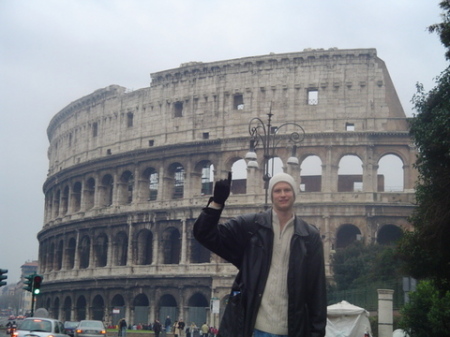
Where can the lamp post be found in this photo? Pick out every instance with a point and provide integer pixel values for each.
(268, 137)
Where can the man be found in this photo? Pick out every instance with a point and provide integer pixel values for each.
(157, 327)
(205, 330)
(168, 324)
(280, 289)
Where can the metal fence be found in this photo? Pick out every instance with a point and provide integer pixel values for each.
(367, 297)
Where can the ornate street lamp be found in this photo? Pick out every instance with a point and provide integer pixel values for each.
(268, 137)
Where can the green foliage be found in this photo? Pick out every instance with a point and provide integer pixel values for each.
(358, 265)
(443, 28)
(427, 313)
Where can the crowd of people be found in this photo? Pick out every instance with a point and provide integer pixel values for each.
(177, 328)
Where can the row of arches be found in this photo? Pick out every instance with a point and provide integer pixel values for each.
(144, 184)
(159, 244)
(140, 309)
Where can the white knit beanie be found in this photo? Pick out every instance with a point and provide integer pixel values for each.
(279, 177)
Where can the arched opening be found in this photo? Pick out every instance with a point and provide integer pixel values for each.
(106, 191)
(347, 234)
(389, 235)
(118, 308)
(65, 200)
(167, 308)
(51, 257)
(177, 173)
(84, 252)
(76, 197)
(198, 307)
(199, 254)
(126, 188)
(101, 250)
(121, 249)
(67, 309)
(152, 182)
(390, 174)
(89, 194)
(171, 246)
(207, 178)
(98, 308)
(70, 252)
(141, 308)
(239, 176)
(350, 174)
(311, 174)
(59, 255)
(81, 308)
(55, 309)
(144, 247)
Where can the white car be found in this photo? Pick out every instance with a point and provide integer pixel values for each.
(40, 327)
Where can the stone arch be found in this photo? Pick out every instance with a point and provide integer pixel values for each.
(121, 249)
(56, 202)
(177, 175)
(239, 171)
(51, 256)
(350, 174)
(98, 308)
(167, 305)
(59, 255)
(143, 247)
(101, 250)
(70, 252)
(55, 308)
(67, 309)
(118, 303)
(390, 173)
(199, 254)
(126, 188)
(141, 308)
(171, 246)
(311, 174)
(389, 234)
(346, 234)
(89, 193)
(205, 171)
(76, 197)
(198, 305)
(151, 178)
(106, 190)
(65, 200)
(81, 308)
(84, 251)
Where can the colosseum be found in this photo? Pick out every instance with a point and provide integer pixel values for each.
(129, 172)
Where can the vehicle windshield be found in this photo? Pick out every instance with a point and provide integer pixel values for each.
(91, 324)
(70, 324)
(36, 325)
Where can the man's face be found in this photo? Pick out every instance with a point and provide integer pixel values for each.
(282, 196)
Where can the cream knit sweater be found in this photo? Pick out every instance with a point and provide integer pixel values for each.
(272, 314)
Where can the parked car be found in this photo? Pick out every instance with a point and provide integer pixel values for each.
(40, 327)
(90, 329)
(70, 327)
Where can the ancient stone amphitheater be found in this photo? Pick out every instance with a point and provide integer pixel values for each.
(130, 171)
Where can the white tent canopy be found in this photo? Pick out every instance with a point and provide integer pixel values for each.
(347, 320)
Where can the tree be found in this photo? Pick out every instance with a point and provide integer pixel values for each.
(359, 265)
(426, 250)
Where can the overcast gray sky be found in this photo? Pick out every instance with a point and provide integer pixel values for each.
(53, 52)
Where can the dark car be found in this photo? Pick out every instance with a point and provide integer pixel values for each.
(70, 327)
(90, 329)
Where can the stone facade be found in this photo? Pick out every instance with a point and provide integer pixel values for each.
(130, 171)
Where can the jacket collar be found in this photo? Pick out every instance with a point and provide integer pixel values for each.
(265, 220)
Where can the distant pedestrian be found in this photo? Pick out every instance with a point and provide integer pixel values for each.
(157, 328)
(205, 330)
(168, 324)
(123, 328)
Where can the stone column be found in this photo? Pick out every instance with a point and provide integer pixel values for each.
(183, 242)
(385, 314)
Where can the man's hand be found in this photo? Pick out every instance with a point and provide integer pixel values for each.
(222, 190)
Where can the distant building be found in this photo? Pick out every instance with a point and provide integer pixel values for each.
(27, 268)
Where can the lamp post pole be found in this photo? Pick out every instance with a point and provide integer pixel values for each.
(268, 137)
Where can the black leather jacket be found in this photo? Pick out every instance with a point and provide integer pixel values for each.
(246, 241)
